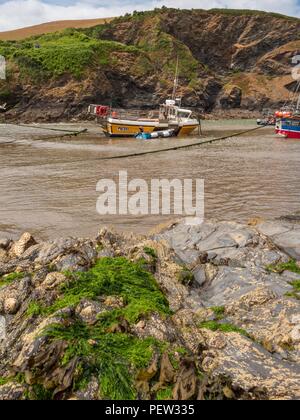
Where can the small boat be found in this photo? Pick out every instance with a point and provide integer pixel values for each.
(155, 135)
(270, 120)
(171, 119)
(288, 119)
(289, 127)
(171, 116)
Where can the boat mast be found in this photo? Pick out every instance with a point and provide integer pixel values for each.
(298, 100)
(175, 81)
(298, 104)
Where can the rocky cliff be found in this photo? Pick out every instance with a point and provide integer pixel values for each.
(229, 60)
(206, 312)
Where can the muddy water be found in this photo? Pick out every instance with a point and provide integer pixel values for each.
(48, 186)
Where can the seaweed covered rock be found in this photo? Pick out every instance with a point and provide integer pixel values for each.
(202, 312)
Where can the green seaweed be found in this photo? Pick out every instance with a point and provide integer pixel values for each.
(150, 252)
(37, 392)
(9, 278)
(223, 327)
(186, 276)
(219, 312)
(4, 381)
(296, 290)
(293, 267)
(112, 277)
(280, 268)
(165, 393)
(35, 309)
(113, 358)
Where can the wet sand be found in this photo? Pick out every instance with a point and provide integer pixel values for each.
(48, 186)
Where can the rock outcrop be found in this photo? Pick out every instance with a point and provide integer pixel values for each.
(193, 312)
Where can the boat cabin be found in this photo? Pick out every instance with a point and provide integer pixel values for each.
(170, 111)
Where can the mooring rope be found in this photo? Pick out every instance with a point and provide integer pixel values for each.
(187, 146)
(68, 132)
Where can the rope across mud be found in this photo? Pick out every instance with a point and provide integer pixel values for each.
(71, 133)
(187, 146)
(66, 133)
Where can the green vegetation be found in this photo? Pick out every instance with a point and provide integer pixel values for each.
(247, 12)
(113, 358)
(186, 276)
(280, 268)
(175, 355)
(18, 378)
(296, 285)
(35, 309)
(232, 12)
(165, 393)
(296, 292)
(219, 312)
(226, 328)
(293, 267)
(111, 276)
(78, 51)
(151, 252)
(37, 392)
(34, 392)
(53, 55)
(5, 93)
(4, 381)
(9, 278)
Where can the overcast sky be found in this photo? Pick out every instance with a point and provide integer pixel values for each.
(19, 13)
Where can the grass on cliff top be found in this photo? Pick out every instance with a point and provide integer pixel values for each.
(250, 12)
(112, 277)
(53, 55)
(158, 49)
(136, 15)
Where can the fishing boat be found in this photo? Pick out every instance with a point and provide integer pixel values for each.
(121, 123)
(289, 127)
(288, 119)
(170, 116)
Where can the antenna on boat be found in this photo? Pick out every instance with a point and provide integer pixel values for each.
(298, 101)
(175, 80)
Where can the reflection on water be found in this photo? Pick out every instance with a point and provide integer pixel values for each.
(48, 186)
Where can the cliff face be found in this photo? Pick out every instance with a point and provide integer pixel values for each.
(228, 60)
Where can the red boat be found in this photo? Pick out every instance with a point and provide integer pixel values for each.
(288, 119)
(289, 127)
